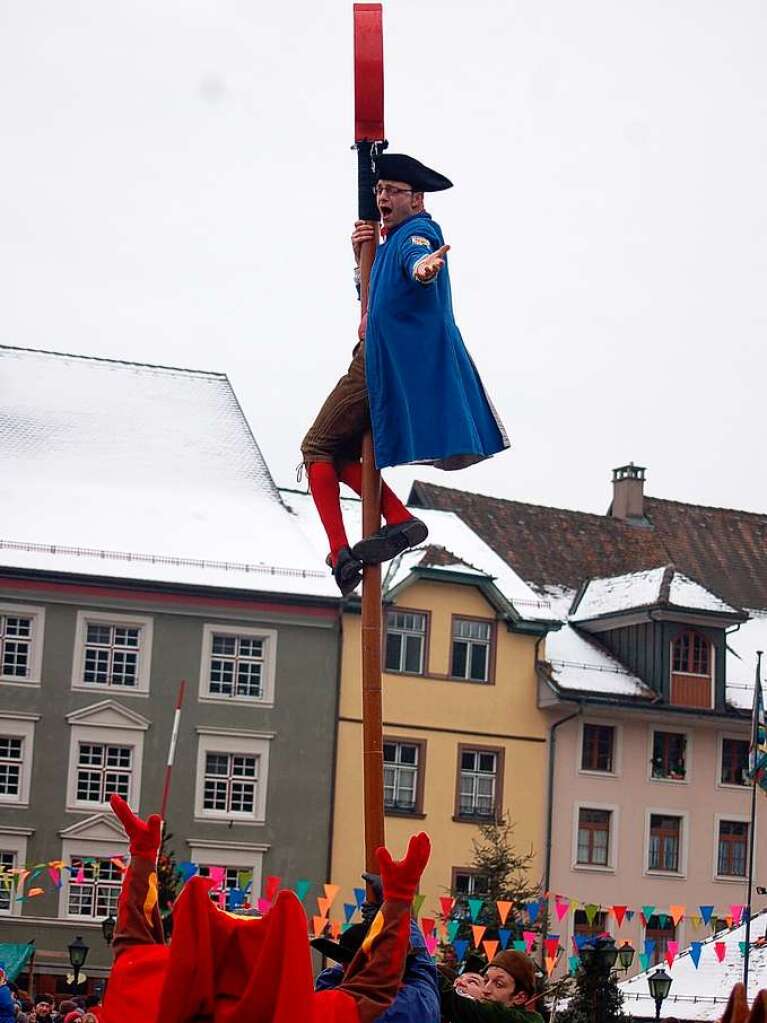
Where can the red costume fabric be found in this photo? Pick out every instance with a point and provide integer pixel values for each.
(220, 968)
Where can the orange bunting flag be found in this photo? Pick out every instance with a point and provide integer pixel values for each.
(551, 962)
(728, 920)
(503, 910)
(677, 912)
(323, 905)
(21, 875)
(318, 923)
(335, 929)
(490, 947)
(35, 891)
(477, 933)
(331, 890)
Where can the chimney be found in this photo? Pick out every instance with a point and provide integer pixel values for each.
(628, 492)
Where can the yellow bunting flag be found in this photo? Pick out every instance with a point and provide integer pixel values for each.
(574, 904)
(477, 933)
(696, 920)
(677, 912)
(490, 947)
(323, 905)
(331, 890)
(318, 923)
(503, 910)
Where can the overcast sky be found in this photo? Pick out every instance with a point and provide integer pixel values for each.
(177, 187)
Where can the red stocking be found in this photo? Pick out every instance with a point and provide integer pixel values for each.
(323, 483)
(392, 509)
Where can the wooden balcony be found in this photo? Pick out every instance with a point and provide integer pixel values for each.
(691, 690)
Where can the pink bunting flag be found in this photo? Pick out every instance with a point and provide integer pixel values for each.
(737, 913)
(677, 912)
(55, 875)
(672, 950)
(264, 905)
(118, 862)
(331, 890)
(446, 903)
(490, 947)
(477, 933)
(271, 887)
(561, 907)
(431, 944)
(720, 948)
(427, 926)
(503, 909)
(216, 874)
(529, 937)
(79, 878)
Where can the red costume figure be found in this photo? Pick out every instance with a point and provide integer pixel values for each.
(221, 968)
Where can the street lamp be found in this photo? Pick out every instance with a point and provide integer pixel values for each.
(660, 985)
(78, 953)
(608, 954)
(108, 928)
(626, 956)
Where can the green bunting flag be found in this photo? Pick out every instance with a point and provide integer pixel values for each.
(301, 888)
(591, 910)
(418, 901)
(474, 907)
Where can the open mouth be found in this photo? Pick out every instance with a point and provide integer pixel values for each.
(385, 210)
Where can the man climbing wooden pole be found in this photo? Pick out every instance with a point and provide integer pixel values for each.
(411, 394)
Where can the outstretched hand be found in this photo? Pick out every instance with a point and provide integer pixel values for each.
(145, 836)
(430, 266)
(400, 877)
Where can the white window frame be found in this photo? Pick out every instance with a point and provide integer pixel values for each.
(617, 749)
(270, 663)
(232, 741)
(727, 786)
(689, 749)
(404, 633)
(20, 726)
(684, 842)
(37, 614)
(143, 622)
(84, 847)
(14, 840)
(103, 735)
(739, 818)
(612, 847)
(243, 855)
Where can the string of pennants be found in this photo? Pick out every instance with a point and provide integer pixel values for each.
(439, 929)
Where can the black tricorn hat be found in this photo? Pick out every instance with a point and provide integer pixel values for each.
(347, 946)
(398, 167)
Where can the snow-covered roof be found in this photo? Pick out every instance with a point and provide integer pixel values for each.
(702, 993)
(580, 664)
(141, 472)
(742, 646)
(446, 530)
(663, 585)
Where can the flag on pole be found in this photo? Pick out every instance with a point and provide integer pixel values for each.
(757, 758)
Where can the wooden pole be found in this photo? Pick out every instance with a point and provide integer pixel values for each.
(369, 130)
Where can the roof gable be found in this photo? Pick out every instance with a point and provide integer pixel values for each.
(102, 827)
(109, 714)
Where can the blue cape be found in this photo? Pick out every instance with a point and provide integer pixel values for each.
(427, 402)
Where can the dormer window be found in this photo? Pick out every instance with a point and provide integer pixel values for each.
(691, 670)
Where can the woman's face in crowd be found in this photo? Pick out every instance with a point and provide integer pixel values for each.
(470, 984)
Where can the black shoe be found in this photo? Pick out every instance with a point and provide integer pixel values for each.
(390, 541)
(347, 571)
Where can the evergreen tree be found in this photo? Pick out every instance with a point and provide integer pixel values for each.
(596, 997)
(168, 882)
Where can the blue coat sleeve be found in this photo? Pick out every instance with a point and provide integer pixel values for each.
(329, 978)
(421, 241)
(418, 999)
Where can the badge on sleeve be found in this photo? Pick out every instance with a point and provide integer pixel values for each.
(418, 240)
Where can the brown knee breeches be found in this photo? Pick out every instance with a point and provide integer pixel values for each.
(336, 434)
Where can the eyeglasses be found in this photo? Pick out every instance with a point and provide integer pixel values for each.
(390, 190)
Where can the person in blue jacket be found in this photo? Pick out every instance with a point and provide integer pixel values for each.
(418, 1000)
(7, 1004)
(411, 380)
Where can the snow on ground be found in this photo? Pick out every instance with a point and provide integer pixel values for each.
(702, 993)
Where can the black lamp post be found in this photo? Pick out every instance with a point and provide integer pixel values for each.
(608, 954)
(108, 928)
(78, 953)
(660, 985)
(626, 956)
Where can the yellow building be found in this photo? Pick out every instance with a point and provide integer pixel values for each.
(464, 740)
